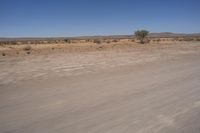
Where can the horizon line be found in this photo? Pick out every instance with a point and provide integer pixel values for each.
(100, 35)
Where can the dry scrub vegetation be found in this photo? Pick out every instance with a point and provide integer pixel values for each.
(45, 46)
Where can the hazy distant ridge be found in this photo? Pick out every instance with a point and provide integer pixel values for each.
(162, 34)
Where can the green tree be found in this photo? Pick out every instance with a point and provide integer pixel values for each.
(141, 35)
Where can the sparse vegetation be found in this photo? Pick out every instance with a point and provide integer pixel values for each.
(87, 40)
(27, 48)
(158, 40)
(132, 40)
(100, 47)
(67, 40)
(97, 41)
(141, 35)
(188, 39)
(17, 47)
(107, 41)
(115, 40)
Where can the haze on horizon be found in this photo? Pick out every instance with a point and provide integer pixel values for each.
(51, 18)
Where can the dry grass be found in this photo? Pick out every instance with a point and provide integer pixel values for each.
(84, 45)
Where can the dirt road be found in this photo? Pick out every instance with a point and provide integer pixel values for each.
(161, 94)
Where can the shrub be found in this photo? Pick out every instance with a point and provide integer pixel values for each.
(27, 48)
(158, 40)
(100, 47)
(67, 40)
(108, 41)
(3, 54)
(87, 40)
(180, 39)
(115, 40)
(141, 35)
(97, 41)
(188, 39)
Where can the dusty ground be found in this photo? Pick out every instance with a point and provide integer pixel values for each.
(142, 89)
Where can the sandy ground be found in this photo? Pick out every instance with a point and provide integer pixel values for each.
(143, 89)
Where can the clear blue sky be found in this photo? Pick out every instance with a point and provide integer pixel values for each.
(46, 18)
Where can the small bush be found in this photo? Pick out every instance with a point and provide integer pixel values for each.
(100, 47)
(97, 41)
(188, 39)
(180, 39)
(158, 40)
(87, 40)
(176, 39)
(67, 40)
(108, 41)
(27, 48)
(3, 54)
(115, 40)
(198, 39)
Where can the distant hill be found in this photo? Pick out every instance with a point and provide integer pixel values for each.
(169, 34)
(162, 34)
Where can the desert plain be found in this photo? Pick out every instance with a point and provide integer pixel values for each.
(113, 87)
